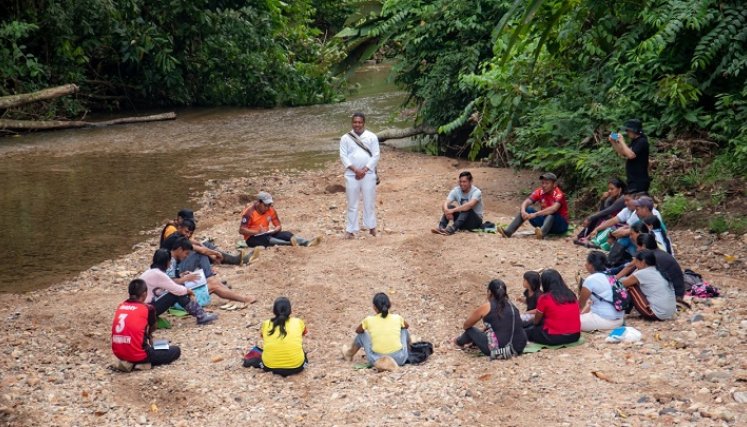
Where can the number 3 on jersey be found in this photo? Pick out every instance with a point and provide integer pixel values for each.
(121, 324)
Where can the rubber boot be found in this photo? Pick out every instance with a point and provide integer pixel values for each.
(229, 259)
(515, 224)
(199, 313)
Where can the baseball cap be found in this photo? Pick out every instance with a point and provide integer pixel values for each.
(264, 197)
(645, 201)
(549, 175)
(186, 214)
(634, 125)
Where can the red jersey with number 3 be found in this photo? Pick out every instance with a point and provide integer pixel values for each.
(128, 331)
(548, 199)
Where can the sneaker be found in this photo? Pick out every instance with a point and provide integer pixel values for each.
(122, 365)
(207, 318)
(314, 242)
(349, 236)
(346, 353)
(538, 233)
(449, 231)
(386, 364)
(502, 232)
(294, 241)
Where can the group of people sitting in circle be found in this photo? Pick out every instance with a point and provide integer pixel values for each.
(638, 271)
(182, 261)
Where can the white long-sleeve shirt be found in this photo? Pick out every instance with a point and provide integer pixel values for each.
(352, 154)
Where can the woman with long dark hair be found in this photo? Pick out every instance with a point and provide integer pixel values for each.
(383, 337)
(499, 314)
(651, 292)
(164, 292)
(283, 352)
(653, 223)
(557, 320)
(597, 289)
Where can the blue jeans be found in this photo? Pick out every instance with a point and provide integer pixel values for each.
(364, 341)
(559, 224)
(628, 244)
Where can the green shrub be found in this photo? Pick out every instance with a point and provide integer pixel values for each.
(675, 207)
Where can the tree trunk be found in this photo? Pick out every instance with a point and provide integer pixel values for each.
(405, 133)
(62, 124)
(27, 98)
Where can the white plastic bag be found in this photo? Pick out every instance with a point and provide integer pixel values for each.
(624, 334)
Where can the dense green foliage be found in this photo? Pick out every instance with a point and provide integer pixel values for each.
(540, 83)
(178, 52)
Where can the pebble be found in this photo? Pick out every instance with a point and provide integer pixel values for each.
(696, 318)
(740, 396)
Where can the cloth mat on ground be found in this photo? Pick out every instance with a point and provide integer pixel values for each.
(533, 347)
(358, 366)
(162, 323)
(177, 312)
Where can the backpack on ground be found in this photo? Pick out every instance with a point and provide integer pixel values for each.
(696, 287)
(419, 352)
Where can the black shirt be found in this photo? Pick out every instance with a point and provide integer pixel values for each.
(637, 169)
(502, 326)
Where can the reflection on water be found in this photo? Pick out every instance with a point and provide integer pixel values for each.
(73, 198)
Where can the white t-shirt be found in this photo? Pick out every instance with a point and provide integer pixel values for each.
(353, 155)
(658, 291)
(458, 196)
(601, 297)
(631, 217)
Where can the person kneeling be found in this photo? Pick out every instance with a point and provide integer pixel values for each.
(383, 337)
(260, 226)
(132, 332)
(463, 206)
(553, 216)
(501, 318)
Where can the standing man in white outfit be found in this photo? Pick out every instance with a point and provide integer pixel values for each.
(359, 153)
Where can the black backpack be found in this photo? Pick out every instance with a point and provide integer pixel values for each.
(419, 352)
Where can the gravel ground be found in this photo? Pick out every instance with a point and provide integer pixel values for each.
(690, 371)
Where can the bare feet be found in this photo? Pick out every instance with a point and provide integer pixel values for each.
(250, 300)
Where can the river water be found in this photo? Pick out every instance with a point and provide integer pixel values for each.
(71, 199)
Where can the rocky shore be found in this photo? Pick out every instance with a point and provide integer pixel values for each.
(690, 371)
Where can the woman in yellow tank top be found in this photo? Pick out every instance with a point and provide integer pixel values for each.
(383, 337)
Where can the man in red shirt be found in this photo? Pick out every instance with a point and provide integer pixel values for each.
(132, 332)
(553, 216)
(261, 226)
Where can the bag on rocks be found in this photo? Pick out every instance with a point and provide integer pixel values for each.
(419, 352)
(624, 334)
(696, 287)
(253, 359)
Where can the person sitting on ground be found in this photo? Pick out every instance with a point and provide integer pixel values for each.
(189, 261)
(553, 216)
(283, 352)
(557, 320)
(637, 207)
(186, 228)
(463, 206)
(655, 227)
(665, 263)
(498, 314)
(532, 291)
(261, 226)
(613, 201)
(636, 156)
(597, 289)
(132, 332)
(163, 292)
(652, 294)
(383, 337)
(171, 226)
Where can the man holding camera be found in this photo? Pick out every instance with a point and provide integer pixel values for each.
(636, 155)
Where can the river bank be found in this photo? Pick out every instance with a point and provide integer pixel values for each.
(57, 340)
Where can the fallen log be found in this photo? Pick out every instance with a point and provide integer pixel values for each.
(405, 133)
(27, 98)
(65, 124)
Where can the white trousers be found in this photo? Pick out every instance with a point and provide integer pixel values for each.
(592, 322)
(353, 189)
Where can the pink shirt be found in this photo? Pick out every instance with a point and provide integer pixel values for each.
(159, 282)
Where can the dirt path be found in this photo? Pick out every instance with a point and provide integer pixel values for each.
(56, 342)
